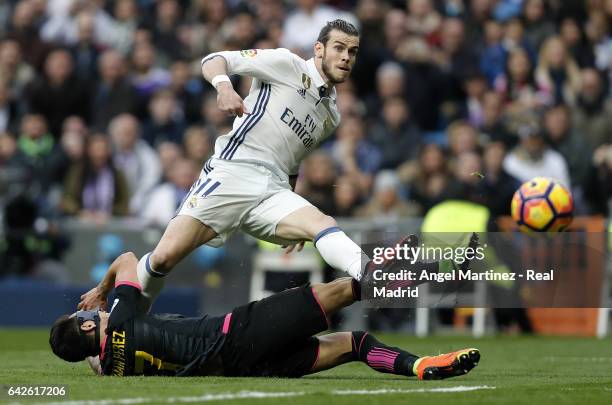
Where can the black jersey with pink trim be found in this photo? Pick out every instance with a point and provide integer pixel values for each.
(140, 344)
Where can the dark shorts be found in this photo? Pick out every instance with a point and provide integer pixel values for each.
(274, 336)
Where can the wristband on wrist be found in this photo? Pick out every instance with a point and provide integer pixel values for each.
(219, 79)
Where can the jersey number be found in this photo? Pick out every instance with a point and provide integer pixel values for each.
(154, 362)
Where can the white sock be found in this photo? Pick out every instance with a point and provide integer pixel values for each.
(340, 252)
(151, 281)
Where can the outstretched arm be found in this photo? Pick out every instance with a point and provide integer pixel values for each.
(122, 269)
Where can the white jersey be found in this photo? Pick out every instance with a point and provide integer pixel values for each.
(287, 116)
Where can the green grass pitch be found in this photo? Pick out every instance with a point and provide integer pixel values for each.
(535, 370)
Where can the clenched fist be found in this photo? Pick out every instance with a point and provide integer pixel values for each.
(229, 101)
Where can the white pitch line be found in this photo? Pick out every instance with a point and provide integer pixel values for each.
(579, 359)
(460, 388)
(259, 394)
(171, 400)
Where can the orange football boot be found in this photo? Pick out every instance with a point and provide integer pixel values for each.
(446, 365)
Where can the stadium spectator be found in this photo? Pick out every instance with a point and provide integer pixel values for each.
(24, 31)
(599, 188)
(387, 204)
(493, 124)
(8, 109)
(514, 37)
(518, 86)
(569, 143)
(427, 177)
(8, 148)
(592, 114)
(204, 34)
(462, 137)
(533, 158)
(168, 152)
(349, 104)
(466, 182)
(598, 32)
(135, 159)
(58, 94)
(355, 155)
(40, 155)
(269, 12)
(394, 134)
(538, 26)
(575, 41)
(212, 118)
(95, 189)
(346, 197)
(147, 78)
(28, 250)
(499, 186)
(198, 145)
(166, 122)
(454, 58)
(471, 109)
(14, 72)
(394, 31)
(187, 90)
(423, 20)
(164, 30)
(242, 32)
(85, 51)
(64, 18)
(113, 94)
(318, 181)
(125, 13)
(72, 141)
(164, 200)
(557, 73)
(390, 82)
(425, 83)
(302, 25)
(493, 56)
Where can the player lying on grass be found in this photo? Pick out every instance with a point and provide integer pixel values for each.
(271, 337)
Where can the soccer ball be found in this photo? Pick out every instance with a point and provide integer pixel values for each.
(542, 205)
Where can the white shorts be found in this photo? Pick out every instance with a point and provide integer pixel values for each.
(240, 195)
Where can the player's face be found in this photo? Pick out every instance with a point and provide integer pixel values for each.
(339, 55)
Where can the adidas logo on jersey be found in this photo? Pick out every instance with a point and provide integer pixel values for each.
(302, 92)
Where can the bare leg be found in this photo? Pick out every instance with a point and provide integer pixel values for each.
(336, 248)
(304, 224)
(335, 295)
(182, 236)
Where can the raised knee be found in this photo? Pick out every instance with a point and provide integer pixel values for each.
(162, 261)
(327, 222)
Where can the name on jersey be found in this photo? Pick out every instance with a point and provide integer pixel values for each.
(118, 342)
(303, 130)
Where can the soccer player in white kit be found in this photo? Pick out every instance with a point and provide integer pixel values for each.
(248, 184)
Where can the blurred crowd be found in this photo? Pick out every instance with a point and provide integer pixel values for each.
(104, 113)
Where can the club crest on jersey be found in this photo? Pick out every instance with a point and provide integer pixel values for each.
(193, 202)
(306, 81)
(248, 53)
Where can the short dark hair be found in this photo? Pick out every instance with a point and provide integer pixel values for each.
(339, 25)
(66, 340)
